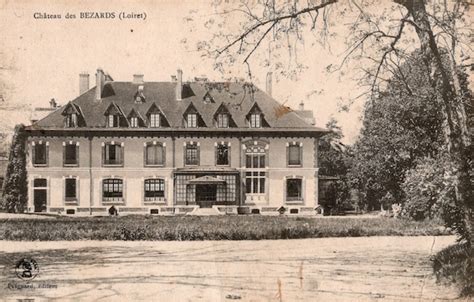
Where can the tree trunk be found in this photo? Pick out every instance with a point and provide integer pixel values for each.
(454, 112)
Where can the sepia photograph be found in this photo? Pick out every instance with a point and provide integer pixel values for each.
(236, 150)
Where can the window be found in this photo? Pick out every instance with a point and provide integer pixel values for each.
(192, 154)
(113, 120)
(222, 120)
(71, 120)
(222, 154)
(113, 154)
(134, 122)
(294, 189)
(191, 120)
(255, 120)
(40, 183)
(154, 154)
(155, 120)
(70, 189)
(154, 189)
(40, 154)
(71, 154)
(255, 182)
(255, 175)
(294, 154)
(112, 189)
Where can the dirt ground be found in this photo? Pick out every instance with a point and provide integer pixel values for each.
(328, 269)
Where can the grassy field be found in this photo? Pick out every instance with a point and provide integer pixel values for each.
(209, 228)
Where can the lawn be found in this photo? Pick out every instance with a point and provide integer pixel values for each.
(209, 228)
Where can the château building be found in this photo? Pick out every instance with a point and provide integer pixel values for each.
(172, 147)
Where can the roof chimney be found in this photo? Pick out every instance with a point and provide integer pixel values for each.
(301, 106)
(100, 81)
(179, 85)
(269, 83)
(138, 79)
(53, 104)
(83, 82)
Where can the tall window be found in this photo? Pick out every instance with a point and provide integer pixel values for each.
(70, 189)
(134, 122)
(222, 154)
(154, 189)
(113, 120)
(222, 120)
(294, 154)
(71, 154)
(255, 175)
(191, 120)
(294, 190)
(155, 120)
(71, 120)
(154, 154)
(113, 154)
(255, 120)
(192, 154)
(112, 189)
(40, 154)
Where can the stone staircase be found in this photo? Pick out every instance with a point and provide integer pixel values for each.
(205, 212)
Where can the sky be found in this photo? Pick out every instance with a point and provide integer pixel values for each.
(42, 58)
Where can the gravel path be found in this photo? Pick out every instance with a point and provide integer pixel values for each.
(328, 269)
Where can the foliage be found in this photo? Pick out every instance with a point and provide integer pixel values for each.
(15, 187)
(242, 227)
(335, 160)
(430, 189)
(455, 264)
(399, 126)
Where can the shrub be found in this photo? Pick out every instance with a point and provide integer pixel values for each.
(430, 189)
(455, 264)
(15, 187)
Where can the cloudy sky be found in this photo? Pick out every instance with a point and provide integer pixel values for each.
(42, 58)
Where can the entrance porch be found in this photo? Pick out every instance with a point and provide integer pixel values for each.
(206, 187)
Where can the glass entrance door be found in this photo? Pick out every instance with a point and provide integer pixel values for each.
(206, 195)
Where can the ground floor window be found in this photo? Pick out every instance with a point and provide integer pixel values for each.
(255, 182)
(294, 189)
(154, 188)
(70, 188)
(112, 189)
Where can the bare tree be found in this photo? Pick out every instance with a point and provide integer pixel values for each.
(380, 36)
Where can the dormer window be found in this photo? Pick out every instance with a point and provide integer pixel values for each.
(155, 120)
(72, 116)
(71, 120)
(113, 120)
(115, 117)
(191, 120)
(139, 95)
(223, 120)
(155, 117)
(134, 122)
(255, 120)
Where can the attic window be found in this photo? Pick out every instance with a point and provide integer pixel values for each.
(154, 120)
(140, 96)
(113, 120)
(208, 98)
(256, 120)
(71, 120)
(191, 120)
(134, 122)
(223, 120)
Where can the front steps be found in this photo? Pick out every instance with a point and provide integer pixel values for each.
(205, 212)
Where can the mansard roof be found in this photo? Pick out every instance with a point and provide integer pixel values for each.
(237, 98)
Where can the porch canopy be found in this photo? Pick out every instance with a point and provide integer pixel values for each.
(206, 180)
